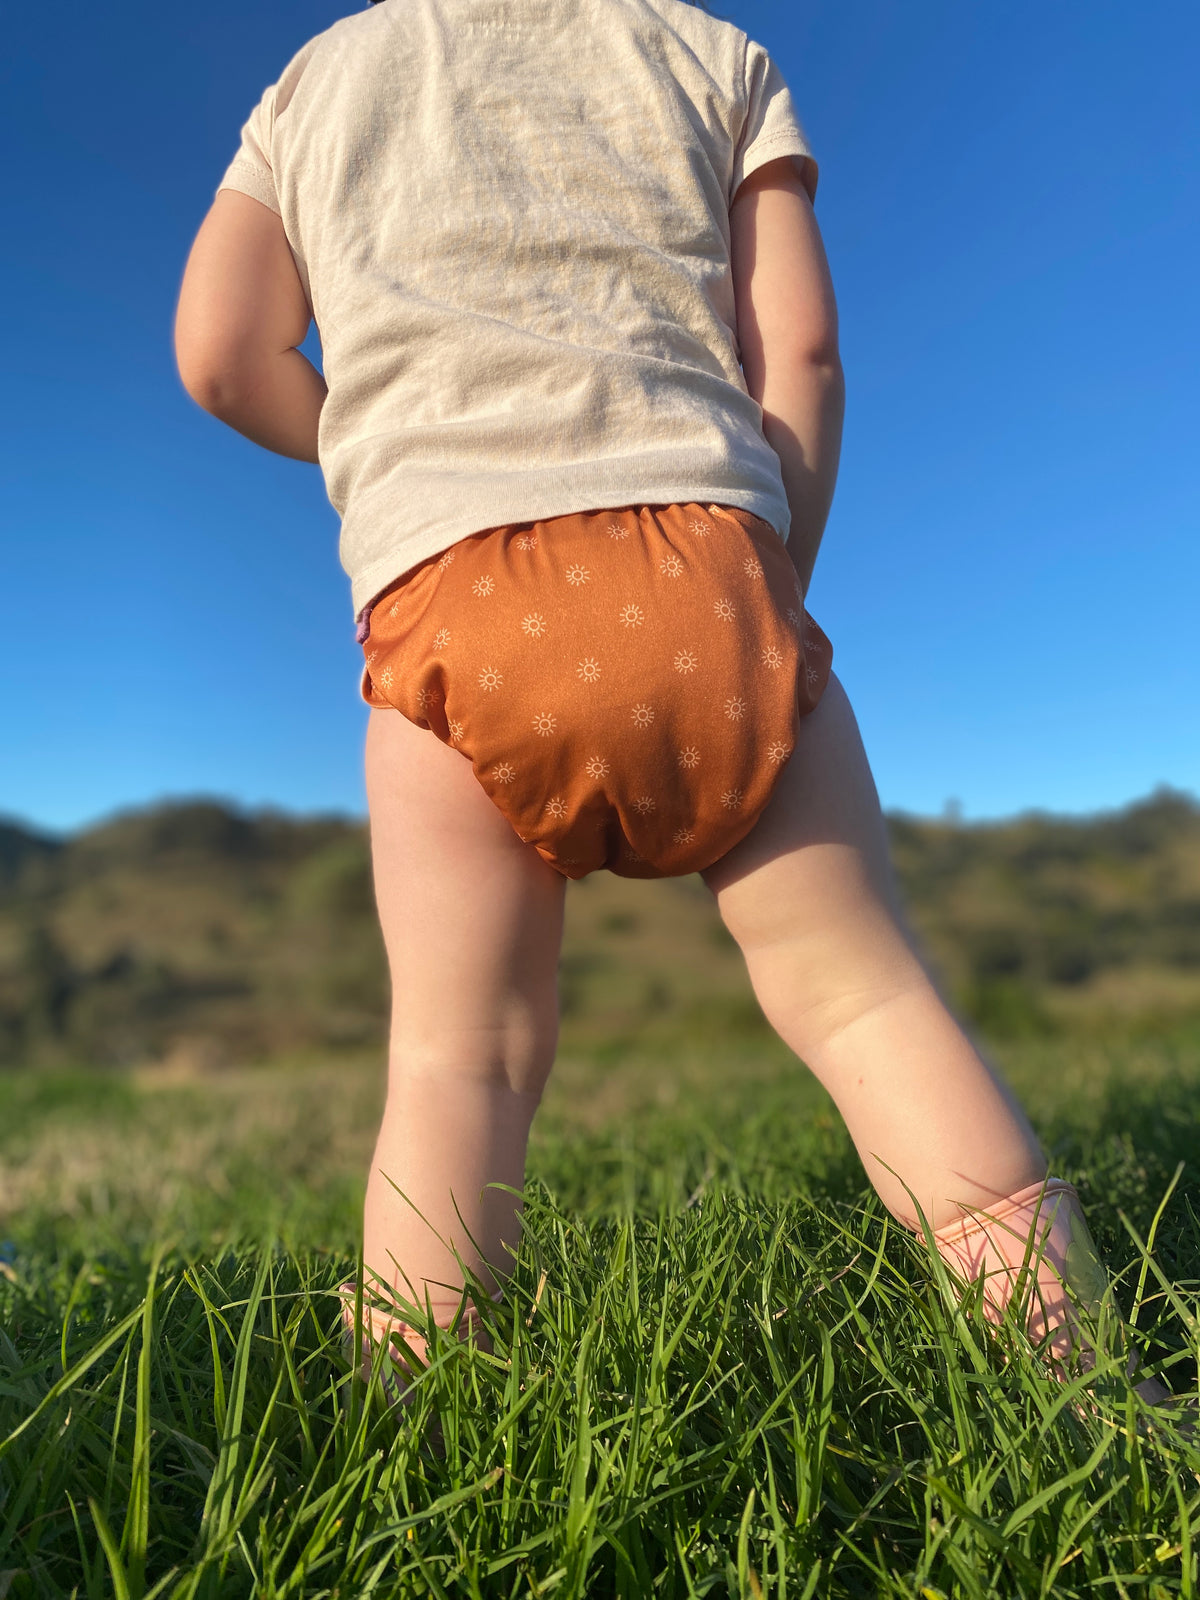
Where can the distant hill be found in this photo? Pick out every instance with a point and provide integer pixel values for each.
(198, 933)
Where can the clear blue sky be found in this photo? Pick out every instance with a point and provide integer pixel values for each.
(1009, 196)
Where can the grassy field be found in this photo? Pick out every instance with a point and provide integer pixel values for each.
(719, 1369)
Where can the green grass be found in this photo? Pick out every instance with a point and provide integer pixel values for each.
(719, 1368)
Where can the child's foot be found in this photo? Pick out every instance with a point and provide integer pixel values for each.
(1040, 1234)
(405, 1347)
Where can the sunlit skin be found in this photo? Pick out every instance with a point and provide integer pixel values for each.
(472, 918)
(242, 315)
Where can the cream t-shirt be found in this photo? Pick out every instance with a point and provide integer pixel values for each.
(512, 221)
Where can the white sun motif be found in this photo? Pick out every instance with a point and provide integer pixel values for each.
(772, 657)
(577, 574)
(724, 610)
(752, 567)
(504, 772)
(735, 709)
(632, 616)
(686, 661)
(371, 656)
(556, 808)
(616, 531)
(793, 617)
(644, 805)
(526, 541)
(670, 566)
(534, 624)
(456, 730)
(490, 679)
(544, 724)
(441, 638)
(444, 560)
(483, 586)
(700, 529)
(689, 757)
(732, 799)
(386, 678)
(394, 609)
(597, 767)
(778, 752)
(427, 698)
(643, 715)
(589, 670)
(812, 674)
(682, 836)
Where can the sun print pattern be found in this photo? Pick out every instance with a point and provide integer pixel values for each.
(735, 665)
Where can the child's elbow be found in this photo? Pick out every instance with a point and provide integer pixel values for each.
(211, 376)
(814, 342)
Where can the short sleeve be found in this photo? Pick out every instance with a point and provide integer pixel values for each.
(771, 128)
(250, 170)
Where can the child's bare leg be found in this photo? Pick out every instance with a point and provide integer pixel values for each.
(808, 896)
(472, 921)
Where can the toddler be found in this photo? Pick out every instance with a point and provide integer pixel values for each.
(580, 414)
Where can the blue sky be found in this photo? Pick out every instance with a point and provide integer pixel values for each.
(1009, 197)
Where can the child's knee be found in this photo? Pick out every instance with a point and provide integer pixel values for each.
(518, 1060)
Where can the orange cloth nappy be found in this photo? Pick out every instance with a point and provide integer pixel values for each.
(626, 684)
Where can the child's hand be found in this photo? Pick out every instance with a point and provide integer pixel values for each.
(788, 342)
(242, 312)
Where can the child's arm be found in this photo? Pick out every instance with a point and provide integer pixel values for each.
(788, 338)
(242, 312)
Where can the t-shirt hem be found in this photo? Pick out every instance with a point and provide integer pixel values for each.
(249, 179)
(782, 144)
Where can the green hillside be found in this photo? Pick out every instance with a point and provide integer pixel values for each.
(203, 936)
